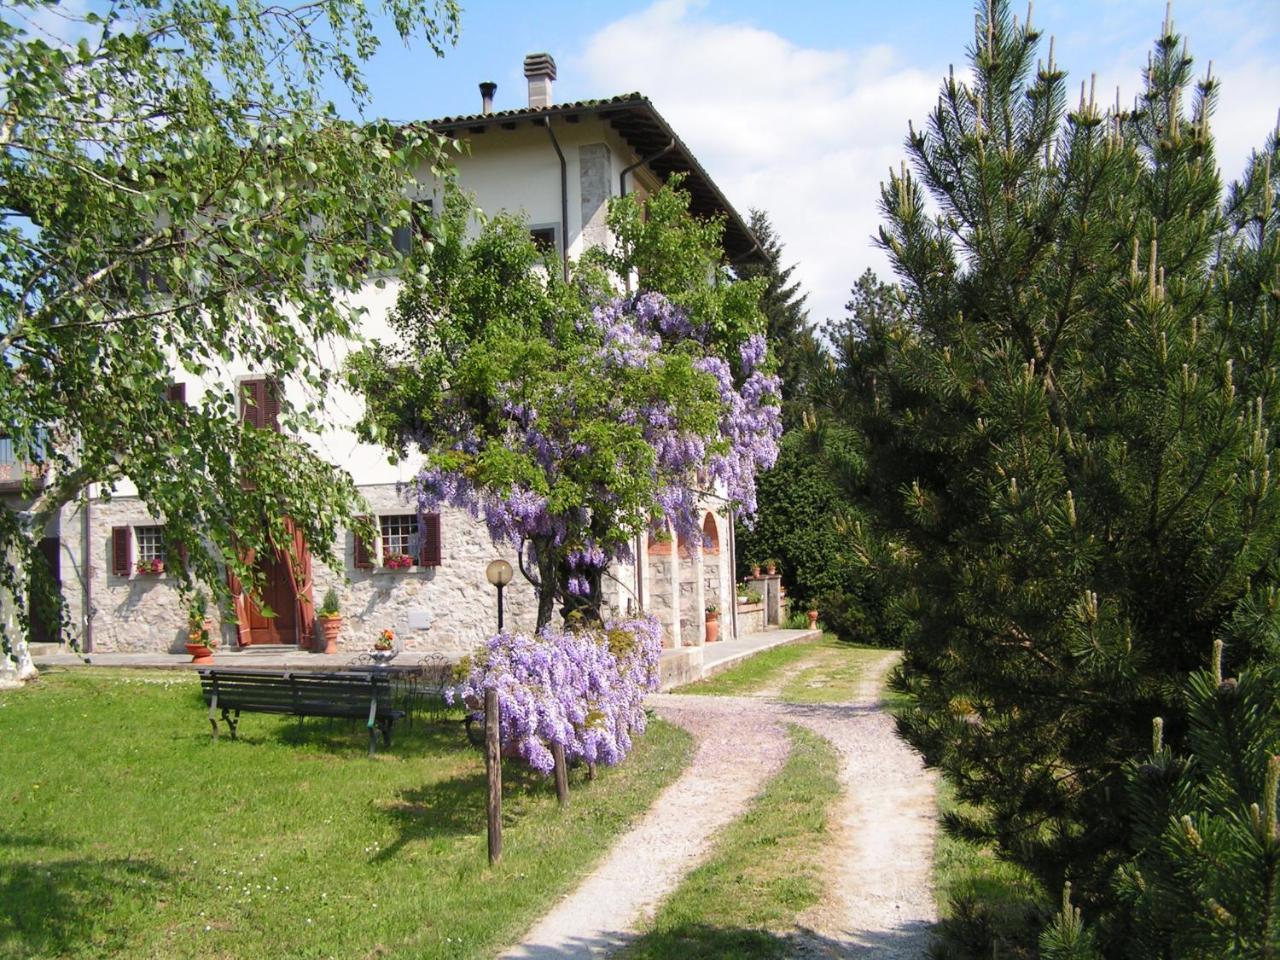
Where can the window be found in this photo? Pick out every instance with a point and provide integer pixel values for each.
(406, 538)
(260, 403)
(151, 544)
(399, 535)
(403, 235)
(544, 238)
(6, 452)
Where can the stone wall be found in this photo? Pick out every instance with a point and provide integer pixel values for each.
(449, 609)
(454, 599)
(138, 613)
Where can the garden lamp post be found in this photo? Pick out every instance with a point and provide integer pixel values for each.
(499, 574)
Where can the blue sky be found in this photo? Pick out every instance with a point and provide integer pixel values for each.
(800, 108)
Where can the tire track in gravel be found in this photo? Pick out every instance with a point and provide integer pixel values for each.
(732, 763)
(879, 900)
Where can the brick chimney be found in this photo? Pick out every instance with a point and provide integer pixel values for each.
(540, 69)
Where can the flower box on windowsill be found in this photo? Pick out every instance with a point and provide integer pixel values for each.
(397, 561)
(149, 568)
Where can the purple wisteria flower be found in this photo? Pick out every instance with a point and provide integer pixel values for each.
(582, 689)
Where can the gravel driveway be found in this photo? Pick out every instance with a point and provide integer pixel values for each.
(732, 763)
(879, 901)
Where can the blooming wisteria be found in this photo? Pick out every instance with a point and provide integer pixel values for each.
(628, 354)
(571, 419)
(583, 689)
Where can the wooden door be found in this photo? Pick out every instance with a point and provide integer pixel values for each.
(45, 621)
(278, 596)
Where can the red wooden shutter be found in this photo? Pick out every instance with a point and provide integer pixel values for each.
(429, 545)
(177, 393)
(362, 556)
(121, 550)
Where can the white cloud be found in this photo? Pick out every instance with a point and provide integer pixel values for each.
(808, 134)
(805, 134)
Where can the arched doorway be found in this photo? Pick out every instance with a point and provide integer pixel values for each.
(711, 569)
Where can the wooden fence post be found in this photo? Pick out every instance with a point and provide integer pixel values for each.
(562, 774)
(493, 771)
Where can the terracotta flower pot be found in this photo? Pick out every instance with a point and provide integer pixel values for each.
(813, 619)
(755, 569)
(713, 627)
(331, 628)
(200, 653)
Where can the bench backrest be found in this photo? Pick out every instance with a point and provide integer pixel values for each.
(293, 690)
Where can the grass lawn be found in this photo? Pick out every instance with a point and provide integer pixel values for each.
(128, 833)
(821, 670)
(980, 896)
(765, 870)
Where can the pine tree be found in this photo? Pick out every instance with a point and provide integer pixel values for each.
(788, 329)
(1205, 879)
(1071, 445)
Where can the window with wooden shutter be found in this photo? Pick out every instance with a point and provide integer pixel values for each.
(362, 552)
(260, 403)
(176, 393)
(429, 542)
(121, 551)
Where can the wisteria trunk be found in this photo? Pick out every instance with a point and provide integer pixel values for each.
(548, 581)
(588, 607)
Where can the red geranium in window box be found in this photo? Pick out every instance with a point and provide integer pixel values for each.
(154, 565)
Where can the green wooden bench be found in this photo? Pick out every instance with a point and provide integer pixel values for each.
(360, 695)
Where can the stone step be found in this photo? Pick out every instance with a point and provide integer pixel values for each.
(265, 649)
(47, 649)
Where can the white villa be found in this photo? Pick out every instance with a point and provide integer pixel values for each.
(558, 164)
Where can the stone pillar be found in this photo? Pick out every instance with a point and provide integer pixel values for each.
(663, 588)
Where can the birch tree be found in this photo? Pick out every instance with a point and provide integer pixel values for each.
(177, 187)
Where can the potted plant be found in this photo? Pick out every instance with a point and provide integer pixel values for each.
(330, 620)
(397, 561)
(384, 646)
(771, 566)
(200, 640)
(755, 570)
(154, 565)
(813, 619)
(713, 623)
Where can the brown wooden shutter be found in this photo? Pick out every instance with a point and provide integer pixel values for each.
(251, 402)
(177, 393)
(270, 405)
(121, 551)
(362, 557)
(177, 550)
(429, 544)
(260, 403)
